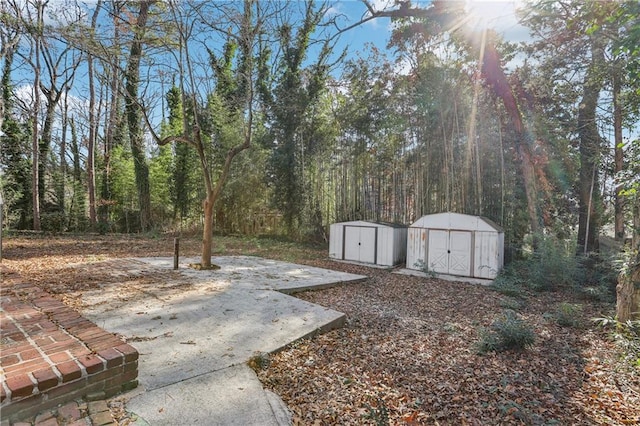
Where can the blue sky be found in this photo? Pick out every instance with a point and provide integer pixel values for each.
(498, 15)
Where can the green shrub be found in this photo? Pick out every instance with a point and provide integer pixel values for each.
(553, 265)
(626, 335)
(568, 314)
(54, 222)
(422, 266)
(508, 332)
(511, 303)
(509, 281)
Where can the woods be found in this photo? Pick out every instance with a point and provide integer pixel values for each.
(252, 117)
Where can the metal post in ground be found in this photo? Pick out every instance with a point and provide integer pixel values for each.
(176, 252)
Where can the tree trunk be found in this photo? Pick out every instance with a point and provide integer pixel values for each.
(207, 232)
(590, 153)
(111, 125)
(628, 289)
(133, 111)
(45, 140)
(628, 294)
(35, 149)
(618, 154)
(93, 130)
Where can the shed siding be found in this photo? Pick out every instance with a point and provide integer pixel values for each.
(416, 247)
(335, 241)
(368, 242)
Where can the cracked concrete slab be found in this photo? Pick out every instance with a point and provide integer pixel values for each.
(209, 322)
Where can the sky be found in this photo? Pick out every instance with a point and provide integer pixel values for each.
(499, 15)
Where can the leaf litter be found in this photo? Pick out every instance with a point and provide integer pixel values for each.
(406, 355)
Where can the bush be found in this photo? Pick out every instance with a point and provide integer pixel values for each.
(554, 265)
(568, 314)
(509, 281)
(508, 332)
(55, 222)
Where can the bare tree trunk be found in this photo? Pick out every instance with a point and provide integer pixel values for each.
(35, 148)
(590, 147)
(93, 130)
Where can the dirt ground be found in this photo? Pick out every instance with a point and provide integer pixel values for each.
(408, 354)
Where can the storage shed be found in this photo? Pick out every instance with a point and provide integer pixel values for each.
(378, 243)
(456, 244)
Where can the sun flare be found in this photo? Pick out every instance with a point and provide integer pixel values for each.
(494, 14)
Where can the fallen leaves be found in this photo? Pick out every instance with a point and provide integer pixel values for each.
(406, 353)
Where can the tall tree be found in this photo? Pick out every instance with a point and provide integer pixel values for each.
(235, 99)
(134, 113)
(93, 126)
(296, 91)
(449, 17)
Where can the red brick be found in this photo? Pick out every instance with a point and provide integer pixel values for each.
(43, 340)
(104, 375)
(20, 386)
(93, 333)
(66, 316)
(60, 336)
(91, 363)
(131, 366)
(60, 357)
(30, 354)
(78, 351)
(52, 348)
(129, 376)
(105, 344)
(9, 360)
(46, 378)
(112, 356)
(71, 390)
(25, 367)
(69, 370)
(69, 412)
(130, 353)
(79, 325)
(49, 422)
(15, 349)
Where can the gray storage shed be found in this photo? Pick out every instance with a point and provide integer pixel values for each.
(456, 244)
(378, 243)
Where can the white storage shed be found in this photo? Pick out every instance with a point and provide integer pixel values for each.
(456, 244)
(378, 243)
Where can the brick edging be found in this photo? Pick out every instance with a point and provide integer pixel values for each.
(55, 355)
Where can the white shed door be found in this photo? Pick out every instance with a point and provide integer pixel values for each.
(460, 253)
(438, 251)
(360, 244)
(449, 252)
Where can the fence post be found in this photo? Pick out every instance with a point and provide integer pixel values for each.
(176, 252)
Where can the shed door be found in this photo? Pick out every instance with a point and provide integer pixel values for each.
(449, 252)
(360, 244)
(460, 253)
(438, 251)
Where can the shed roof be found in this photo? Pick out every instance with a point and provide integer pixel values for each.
(457, 221)
(372, 223)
